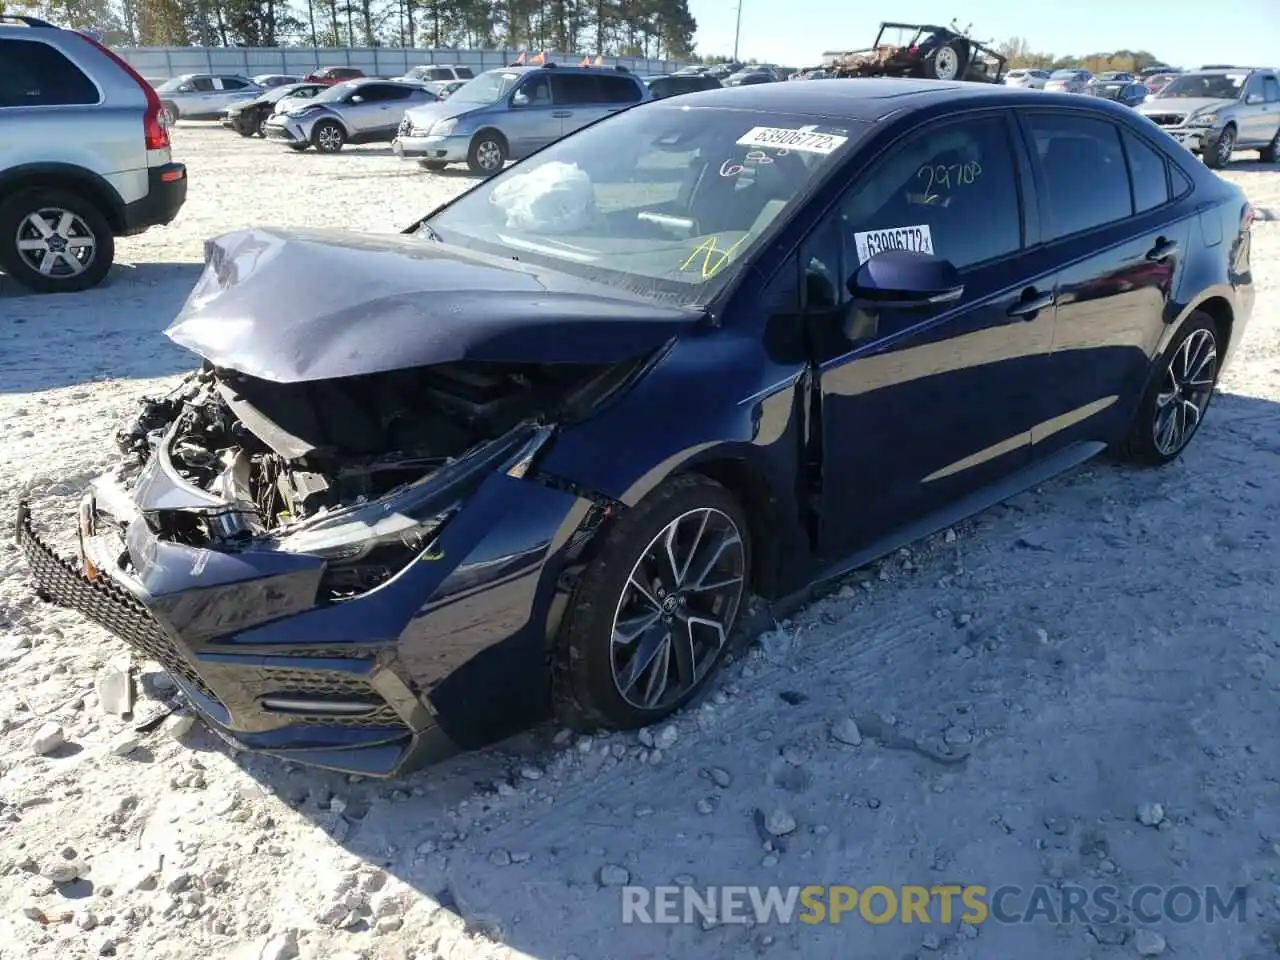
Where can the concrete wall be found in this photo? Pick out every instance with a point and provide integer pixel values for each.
(161, 63)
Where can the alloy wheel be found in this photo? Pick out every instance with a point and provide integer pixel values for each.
(170, 116)
(489, 155)
(56, 242)
(1226, 146)
(678, 608)
(1186, 391)
(329, 138)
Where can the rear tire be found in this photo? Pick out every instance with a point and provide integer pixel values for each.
(169, 110)
(1182, 384)
(599, 672)
(41, 223)
(433, 165)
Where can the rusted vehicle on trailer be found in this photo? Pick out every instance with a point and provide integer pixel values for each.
(924, 50)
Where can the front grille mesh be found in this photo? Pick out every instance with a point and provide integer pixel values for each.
(104, 602)
(1165, 119)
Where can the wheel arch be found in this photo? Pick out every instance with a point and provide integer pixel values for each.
(66, 176)
(1217, 304)
(497, 133)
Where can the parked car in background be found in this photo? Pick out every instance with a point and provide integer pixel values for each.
(1031, 77)
(749, 76)
(510, 112)
(1127, 92)
(1114, 76)
(269, 80)
(354, 111)
(1068, 81)
(675, 84)
(1216, 112)
(812, 73)
(722, 70)
(527, 460)
(331, 75)
(439, 71)
(204, 96)
(1152, 69)
(445, 88)
(84, 156)
(249, 118)
(1158, 81)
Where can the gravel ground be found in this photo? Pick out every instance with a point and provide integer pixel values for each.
(1101, 644)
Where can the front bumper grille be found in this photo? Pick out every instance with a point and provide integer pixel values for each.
(248, 682)
(1166, 119)
(103, 601)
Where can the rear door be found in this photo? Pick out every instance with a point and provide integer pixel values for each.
(1270, 123)
(236, 89)
(378, 115)
(1111, 216)
(922, 407)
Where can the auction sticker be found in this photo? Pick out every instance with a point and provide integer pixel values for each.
(805, 139)
(917, 239)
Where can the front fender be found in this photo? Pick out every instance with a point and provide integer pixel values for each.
(714, 396)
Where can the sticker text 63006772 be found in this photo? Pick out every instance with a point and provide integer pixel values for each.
(916, 238)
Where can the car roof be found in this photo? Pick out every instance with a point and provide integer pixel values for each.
(867, 99)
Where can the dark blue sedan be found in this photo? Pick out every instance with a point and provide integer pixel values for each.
(537, 453)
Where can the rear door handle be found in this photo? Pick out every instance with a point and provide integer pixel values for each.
(561, 114)
(1032, 303)
(1162, 250)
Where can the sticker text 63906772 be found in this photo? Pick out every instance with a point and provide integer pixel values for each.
(804, 139)
(915, 238)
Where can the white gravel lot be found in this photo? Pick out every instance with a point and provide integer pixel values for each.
(1106, 641)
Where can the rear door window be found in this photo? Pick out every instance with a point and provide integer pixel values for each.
(1271, 89)
(34, 74)
(234, 83)
(1148, 173)
(571, 88)
(1084, 169)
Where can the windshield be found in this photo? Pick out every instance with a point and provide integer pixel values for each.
(673, 217)
(338, 91)
(276, 94)
(490, 87)
(1213, 86)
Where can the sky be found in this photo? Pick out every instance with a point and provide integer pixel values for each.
(1185, 33)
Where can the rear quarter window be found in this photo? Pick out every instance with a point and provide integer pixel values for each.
(34, 74)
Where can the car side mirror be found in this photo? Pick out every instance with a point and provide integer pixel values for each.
(355, 98)
(905, 280)
(1254, 98)
(186, 88)
(519, 99)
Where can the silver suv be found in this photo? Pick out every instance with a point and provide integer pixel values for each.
(65, 198)
(429, 72)
(204, 96)
(509, 113)
(357, 111)
(1216, 112)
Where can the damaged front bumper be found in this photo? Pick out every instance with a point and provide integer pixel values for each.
(445, 655)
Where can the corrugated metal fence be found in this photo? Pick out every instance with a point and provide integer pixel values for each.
(161, 63)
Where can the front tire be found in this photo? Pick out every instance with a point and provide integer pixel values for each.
(1178, 396)
(652, 616)
(1271, 152)
(328, 136)
(1219, 154)
(488, 153)
(432, 165)
(55, 241)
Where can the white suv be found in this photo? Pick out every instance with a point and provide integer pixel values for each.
(84, 156)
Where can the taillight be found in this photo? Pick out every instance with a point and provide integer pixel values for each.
(154, 131)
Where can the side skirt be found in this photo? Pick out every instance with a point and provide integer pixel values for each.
(767, 614)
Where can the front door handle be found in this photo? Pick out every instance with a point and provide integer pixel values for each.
(561, 114)
(1162, 250)
(1032, 303)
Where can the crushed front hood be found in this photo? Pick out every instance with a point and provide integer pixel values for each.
(294, 306)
